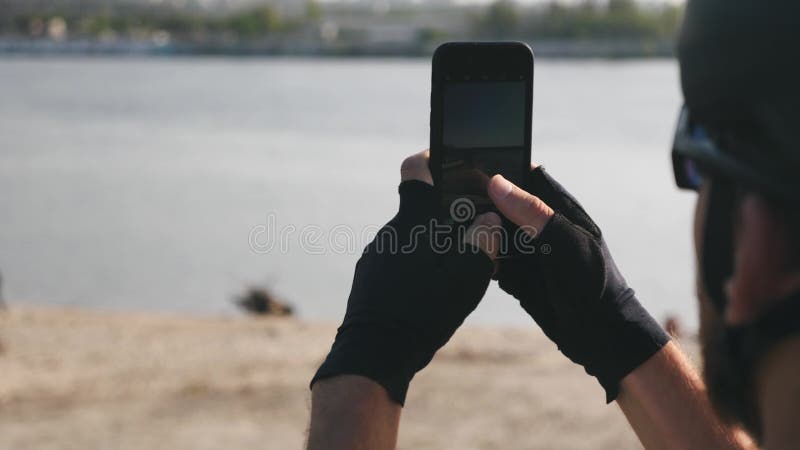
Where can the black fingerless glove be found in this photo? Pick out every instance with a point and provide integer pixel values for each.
(408, 297)
(573, 290)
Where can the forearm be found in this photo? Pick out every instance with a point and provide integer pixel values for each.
(666, 403)
(352, 412)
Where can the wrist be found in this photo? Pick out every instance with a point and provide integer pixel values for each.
(389, 356)
(352, 412)
(633, 338)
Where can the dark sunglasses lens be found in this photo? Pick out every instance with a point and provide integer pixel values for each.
(692, 178)
(689, 138)
(698, 133)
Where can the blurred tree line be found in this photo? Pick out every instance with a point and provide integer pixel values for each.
(248, 23)
(589, 19)
(586, 20)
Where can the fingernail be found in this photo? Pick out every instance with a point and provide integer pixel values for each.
(500, 187)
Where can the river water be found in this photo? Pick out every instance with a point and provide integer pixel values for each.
(142, 184)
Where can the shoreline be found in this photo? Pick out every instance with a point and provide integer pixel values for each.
(77, 378)
(572, 49)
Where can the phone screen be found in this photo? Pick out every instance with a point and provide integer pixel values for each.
(483, 134)
(488, 114)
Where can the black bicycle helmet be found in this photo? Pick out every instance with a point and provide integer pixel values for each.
(740, 72)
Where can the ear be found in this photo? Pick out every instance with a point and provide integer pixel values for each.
(764, 272)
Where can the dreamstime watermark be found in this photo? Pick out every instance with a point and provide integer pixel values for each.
(439, 236)
(462, 210)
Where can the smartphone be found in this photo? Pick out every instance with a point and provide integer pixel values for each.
(481, 101)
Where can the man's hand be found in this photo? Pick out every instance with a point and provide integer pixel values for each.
(406, 302)
(571, 286)
(408, 296)
(576, 294)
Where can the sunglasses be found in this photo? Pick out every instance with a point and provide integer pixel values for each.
(697, 156)
(690, 147)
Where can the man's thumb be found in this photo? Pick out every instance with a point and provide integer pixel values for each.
(526, 210)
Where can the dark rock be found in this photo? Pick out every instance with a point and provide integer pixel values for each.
(259, 301)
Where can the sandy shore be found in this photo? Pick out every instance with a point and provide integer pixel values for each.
(77, 379)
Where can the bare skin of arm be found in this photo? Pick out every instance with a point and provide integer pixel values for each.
(665, 402)
(352, 412)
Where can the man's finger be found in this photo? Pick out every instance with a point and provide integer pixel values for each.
(415, 167)
(486, 234)
(526, 210)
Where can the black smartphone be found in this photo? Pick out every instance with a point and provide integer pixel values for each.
(481, 101)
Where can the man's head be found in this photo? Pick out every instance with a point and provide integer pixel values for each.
(741, 130)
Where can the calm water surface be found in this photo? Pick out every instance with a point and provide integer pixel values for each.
(137, 183)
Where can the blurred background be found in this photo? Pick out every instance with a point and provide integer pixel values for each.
(152, 150)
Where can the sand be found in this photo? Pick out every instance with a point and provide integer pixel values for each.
(78, 379)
